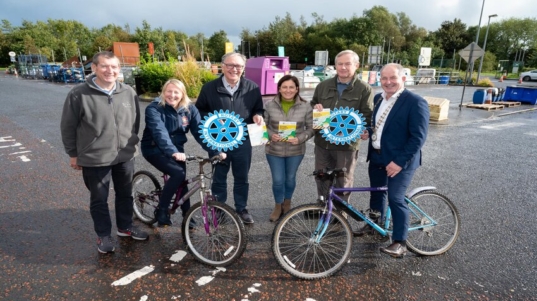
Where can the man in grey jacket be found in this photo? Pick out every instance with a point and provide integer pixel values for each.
(344, 90)
(99, 127)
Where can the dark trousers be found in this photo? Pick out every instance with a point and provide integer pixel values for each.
(239, 160)
(97, 180)
(333, 159)
(177, 172)
(397, 187)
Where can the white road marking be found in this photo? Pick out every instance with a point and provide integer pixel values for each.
(134, 275)
(251, 290)
(24, 158)
(501, 126)
(5, 139)
(531, 133)
(18, 153)
(14, 145)
(206, 279)
(178, 256)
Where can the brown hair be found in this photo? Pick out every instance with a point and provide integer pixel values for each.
(291, 78)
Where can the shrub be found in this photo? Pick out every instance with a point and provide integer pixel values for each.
(485, 82)
(155, 74)
(191, 74)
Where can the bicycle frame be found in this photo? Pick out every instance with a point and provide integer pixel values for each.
(197, 183)
(333, 199)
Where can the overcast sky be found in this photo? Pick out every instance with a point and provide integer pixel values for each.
(210, 16)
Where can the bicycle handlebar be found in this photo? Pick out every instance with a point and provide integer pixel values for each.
(214, 160)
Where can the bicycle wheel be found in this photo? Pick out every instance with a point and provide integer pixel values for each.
(295, 247)
(436, 239)
(145, 191)
(226, 240)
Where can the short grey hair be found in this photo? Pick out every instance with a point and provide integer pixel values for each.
(354, 55)
(398, 67)
(230, 54)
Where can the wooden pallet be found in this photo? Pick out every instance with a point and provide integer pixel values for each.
(488, 107)
(508, 104)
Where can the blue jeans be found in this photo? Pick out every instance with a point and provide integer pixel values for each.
(97, 180)
(283, 171)
(239, 160)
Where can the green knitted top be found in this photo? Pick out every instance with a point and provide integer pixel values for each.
(286, 105)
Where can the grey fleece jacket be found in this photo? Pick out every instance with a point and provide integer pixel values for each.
(301, 113)
(98, 129)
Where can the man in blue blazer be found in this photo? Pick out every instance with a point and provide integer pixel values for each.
(398, 131)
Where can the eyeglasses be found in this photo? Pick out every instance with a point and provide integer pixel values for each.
(231, 66)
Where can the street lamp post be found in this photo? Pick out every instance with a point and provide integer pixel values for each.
(477, 38)
(484, 47)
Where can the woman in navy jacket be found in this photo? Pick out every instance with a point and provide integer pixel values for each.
(167, 121)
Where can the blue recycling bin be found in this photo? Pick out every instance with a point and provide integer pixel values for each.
(443, 80)
(479, 96)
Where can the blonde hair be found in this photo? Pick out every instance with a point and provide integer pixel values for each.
(185, 101)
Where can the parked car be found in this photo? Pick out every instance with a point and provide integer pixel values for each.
(529, 75)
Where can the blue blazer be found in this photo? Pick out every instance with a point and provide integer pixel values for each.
(405, 130)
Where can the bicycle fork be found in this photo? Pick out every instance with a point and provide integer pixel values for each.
(204, 211)
(323, 222)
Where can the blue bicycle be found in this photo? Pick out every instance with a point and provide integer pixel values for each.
(315, 240)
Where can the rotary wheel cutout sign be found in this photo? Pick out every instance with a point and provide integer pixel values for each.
(345, 126)
(223, 131)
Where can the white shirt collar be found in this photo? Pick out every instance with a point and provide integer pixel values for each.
(394, 96)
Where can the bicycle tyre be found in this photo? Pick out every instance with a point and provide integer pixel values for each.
(224, 244)
(440, 238)
(304, 258)
(144, 188)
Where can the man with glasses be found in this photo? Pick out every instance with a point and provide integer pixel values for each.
(243, 97)
(99, 128)
(343, 90)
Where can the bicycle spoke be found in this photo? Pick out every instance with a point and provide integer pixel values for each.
(429, 238)
(303, 254)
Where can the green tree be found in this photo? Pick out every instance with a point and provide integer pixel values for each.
(143, 36)
(452, 35)
(216, 46)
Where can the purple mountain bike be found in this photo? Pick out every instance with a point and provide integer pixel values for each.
(220, 238)
(314, 241)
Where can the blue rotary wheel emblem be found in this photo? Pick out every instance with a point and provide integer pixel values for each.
(223, 131)
(345, 126)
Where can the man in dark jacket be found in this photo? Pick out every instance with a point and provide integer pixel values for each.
(344, 90)
(99, 128)
(242, 97)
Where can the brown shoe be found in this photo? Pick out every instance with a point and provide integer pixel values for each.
(276, 213)
(286, 206)
(396, 250)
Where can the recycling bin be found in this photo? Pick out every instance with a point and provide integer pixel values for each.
(266, 71)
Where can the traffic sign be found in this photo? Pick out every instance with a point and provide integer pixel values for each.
(12, 53)
(472, 49)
